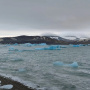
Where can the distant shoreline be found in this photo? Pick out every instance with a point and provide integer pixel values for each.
(55, 40)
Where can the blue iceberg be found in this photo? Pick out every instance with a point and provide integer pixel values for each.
(12, 49)
(76, 45)
(21, 70)
(53, 47)
(6, 87)
(74, 64)
(58, 63)
(16, 44)
(28, 44)
(42, 44)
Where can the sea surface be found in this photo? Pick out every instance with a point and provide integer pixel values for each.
(35, 68)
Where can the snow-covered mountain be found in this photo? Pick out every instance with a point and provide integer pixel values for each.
(45, 39)
(75, 38)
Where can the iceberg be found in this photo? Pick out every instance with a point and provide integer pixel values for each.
(58, 63)
(12, 49)
(17, 59)
(16, 44)
(39, 49)
(54, 47)
(21, 70)
(42, 44)
(28, 44)
(63, 47)
(74, 64)
(88, 44)
(76, 45)
(7, 45)
(9, 86)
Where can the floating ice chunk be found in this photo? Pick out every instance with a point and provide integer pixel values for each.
(17, 59)
(42, 44)
(44, 88)
(28, 44)
(20, 50)
(58, 63)
(88, 44)
(39, 49)
(8, 45)
(76, 45)
(15, 44)
(74, 64)
(6, 86)
(54, 47)
(80, 44)
(12, 49)
(63, 47)
(70, 44)
(21, 70)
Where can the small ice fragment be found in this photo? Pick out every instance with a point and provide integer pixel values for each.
(44, 88)
(21, 70)
(15, 44)
(74, 64)
(28, 44)
(17, 59)
(39, 48)
(6, 86)
(54, 47)
(76, 45)
(42, 44)
(12, 49)
(58, 63)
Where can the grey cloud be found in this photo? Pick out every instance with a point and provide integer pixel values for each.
(45, 14)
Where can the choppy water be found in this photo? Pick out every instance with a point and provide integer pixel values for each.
(35, 67)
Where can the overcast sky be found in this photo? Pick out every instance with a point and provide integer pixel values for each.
(34, 17)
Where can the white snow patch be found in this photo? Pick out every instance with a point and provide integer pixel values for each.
(54, 38)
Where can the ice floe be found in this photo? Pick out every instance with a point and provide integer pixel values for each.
(52, 47)
(21, 70)
(9, 86)
(12, 49)
(58, 63)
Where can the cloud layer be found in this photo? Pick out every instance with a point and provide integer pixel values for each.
(43, 15)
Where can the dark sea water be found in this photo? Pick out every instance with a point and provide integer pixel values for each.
(35, 68)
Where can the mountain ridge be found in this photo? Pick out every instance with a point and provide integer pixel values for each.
(42, 39)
